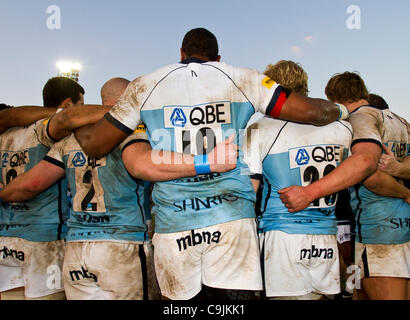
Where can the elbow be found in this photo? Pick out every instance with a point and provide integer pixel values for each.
(90, 145)
(369, 165)
(373, 181)
(144, 172)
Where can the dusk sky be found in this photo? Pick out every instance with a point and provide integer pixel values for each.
(128, 38)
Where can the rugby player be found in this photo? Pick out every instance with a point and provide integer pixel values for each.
(379, 201)
(108, 253)
(205, 231)
(32, 232)
(299, 251)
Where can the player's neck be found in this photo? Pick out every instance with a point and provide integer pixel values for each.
(355, 105)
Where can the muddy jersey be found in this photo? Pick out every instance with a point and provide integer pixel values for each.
(43, 217)
(190, 107)
(107, 203)
(285, 154)
(380, 220)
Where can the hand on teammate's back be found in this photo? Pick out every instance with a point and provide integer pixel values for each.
(224, 156)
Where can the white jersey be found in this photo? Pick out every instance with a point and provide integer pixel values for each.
(380, 220)
(287, 154)
(189, 107)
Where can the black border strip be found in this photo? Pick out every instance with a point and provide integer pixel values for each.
(143, 260)
(132, 142)
(367, 140)
(257, 176)
(365, 263)
(54, 161)
(118, 124)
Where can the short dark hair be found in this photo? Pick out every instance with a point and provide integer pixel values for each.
(57, 89)
(377, 101)
(4, 106)
(346, 87)
(200, 41)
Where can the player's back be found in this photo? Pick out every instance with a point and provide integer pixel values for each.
(39, 219)
(190, 107)
(380, 219)
(107, 203)
(287, 154)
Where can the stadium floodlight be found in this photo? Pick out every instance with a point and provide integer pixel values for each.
(69, 69)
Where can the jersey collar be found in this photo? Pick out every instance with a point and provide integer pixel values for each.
(191, 60)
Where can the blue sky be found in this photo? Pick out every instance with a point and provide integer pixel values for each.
(128, 38)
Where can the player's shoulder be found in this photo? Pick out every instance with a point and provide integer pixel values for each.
(367, 110)
(401, 119)
(17, 137)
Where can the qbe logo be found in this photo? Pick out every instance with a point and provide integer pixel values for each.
(178, 118)
(302, 157)
(211, 115)
(78, 160)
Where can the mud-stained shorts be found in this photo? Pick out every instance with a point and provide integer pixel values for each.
(383, 260)
(109, 270)
(298, 264)
(224, 256)
(36, 266)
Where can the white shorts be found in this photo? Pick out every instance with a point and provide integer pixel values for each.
(36, 266)
(109, 270)
(224, 256)
(381, 260)
(298, 264)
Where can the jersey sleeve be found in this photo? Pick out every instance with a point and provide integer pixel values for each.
(55, 154)
(255, 148)
(125, 115)
(266, 95)
(366, 126)
(139, 135)
(41, 130)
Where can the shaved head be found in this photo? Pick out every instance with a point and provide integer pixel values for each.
(112, 90)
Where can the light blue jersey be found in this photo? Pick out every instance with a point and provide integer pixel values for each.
(189, 107)
(41, 219)
(380, 220)
(107, 203)
(287, 154)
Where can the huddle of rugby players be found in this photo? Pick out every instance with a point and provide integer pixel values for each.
(201, 179)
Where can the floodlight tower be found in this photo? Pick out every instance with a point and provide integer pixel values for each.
(69, 69)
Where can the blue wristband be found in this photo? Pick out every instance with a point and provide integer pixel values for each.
(202, 164)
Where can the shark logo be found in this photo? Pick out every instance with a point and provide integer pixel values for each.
(302, 157)
(79, 160)
(178, 118)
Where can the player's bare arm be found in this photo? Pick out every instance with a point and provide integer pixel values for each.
(99, 139)
(33, 182)
(318, 112)
(385, 185)
(65, 122)
(157, 165)
(23, 116)
(360, 165)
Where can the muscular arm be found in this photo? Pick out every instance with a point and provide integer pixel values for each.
(66, 121)
(318, 112)
(360, 165)
(385, 185)
(157, 165)
(31, 183)
(23, 116)
(99, 139)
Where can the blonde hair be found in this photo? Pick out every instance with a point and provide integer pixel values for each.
(289, 75)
